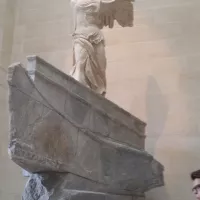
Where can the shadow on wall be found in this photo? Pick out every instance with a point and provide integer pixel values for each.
(157, 111)
(183, 49)
(188, 82)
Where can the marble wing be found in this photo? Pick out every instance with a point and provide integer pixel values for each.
(119, 10)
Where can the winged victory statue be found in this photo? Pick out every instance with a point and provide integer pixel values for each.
(90, 16)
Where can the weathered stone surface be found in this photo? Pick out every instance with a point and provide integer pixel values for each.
(60, 186)
(56, 124)
(68, 96)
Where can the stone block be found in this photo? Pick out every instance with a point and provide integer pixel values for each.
(59, 186)
(57, 124)
(53, 83)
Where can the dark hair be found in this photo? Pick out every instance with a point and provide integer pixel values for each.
(196, 174)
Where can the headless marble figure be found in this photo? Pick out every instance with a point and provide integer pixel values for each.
(89, 60)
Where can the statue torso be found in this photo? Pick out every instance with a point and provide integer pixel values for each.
(86, 14)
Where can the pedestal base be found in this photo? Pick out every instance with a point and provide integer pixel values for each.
(76, 143)
(66, 186)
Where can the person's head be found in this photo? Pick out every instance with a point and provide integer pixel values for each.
(195, 176)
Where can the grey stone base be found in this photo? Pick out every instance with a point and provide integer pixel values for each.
(74, 143)
(65, 186)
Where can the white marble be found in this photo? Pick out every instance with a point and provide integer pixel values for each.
(89, 59)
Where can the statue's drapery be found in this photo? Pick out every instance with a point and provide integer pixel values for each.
(90, 16)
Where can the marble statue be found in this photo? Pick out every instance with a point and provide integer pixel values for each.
(90, 16)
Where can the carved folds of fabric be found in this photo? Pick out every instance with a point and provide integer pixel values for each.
(87, 68)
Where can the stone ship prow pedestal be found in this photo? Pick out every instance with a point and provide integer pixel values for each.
(76, 143)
